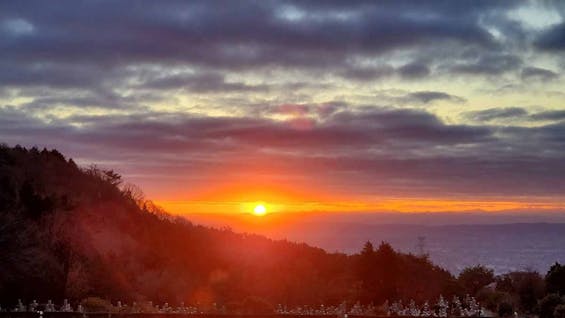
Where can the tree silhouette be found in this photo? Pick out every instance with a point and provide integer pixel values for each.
(474, 278)
(555, 279)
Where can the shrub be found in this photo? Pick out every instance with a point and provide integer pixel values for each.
(505, 309)
(559, 311)
(548, 304)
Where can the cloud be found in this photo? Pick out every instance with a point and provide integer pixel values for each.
(17, 27)
(514, 113)
(414, 70)
(112, 46)
(391, 151)
(251, 34)
(427, 97)
(368, 73)
(53, 75)
(200, 83)
(497, 113)
(552, 39)
(554, 115)
(321, 111)
(540, 74)
(368, 127)
(488, 64)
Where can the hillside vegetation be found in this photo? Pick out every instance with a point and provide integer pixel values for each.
(72, 232)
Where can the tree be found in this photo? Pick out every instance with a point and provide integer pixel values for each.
(134, 193)
(474, 278)
(492, 299)
(33, 203)
(548, 304)
(525, 286)
(555, 279)
(112, 177)
(387, 271)
(368, 249)
(530, 288)
(365, 272)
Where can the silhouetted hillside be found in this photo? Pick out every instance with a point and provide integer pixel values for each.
(72, 232)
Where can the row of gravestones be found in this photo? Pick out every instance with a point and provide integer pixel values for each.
(324, 310)
(468, 307)
(48, 307)
(34, 306)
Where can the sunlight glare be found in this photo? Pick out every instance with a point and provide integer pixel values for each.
(259, 210)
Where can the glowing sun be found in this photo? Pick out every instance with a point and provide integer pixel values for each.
(259, 210)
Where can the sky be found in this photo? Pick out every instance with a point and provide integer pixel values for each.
(304, 106)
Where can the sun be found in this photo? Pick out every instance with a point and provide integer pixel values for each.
(259, 210)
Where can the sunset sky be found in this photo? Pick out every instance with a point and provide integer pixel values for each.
(367, 106)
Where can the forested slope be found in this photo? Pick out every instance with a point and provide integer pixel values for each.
(72, 232)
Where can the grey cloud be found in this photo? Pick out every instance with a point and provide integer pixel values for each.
(402, 149)
(427, 97)
(321, 110)
(552, 39)
(489, 64)
(200, 83)
(513, 113)
(101, 43)
(101, 99)
(497, 113)
(536, 73)
(548, 138)
(13, 118)
(54, 75)
(242, 35)
(368, 73)
(554, 115)
(408, 71)
(342, 129)
(414, 70)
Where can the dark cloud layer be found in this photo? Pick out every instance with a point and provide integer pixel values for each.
(553, 39)
(101, 44)
(76, 43)
(178, 30)
(394, 150)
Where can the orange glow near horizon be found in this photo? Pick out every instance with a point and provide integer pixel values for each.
(280, 196)
(288, 205)
(234, 197)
